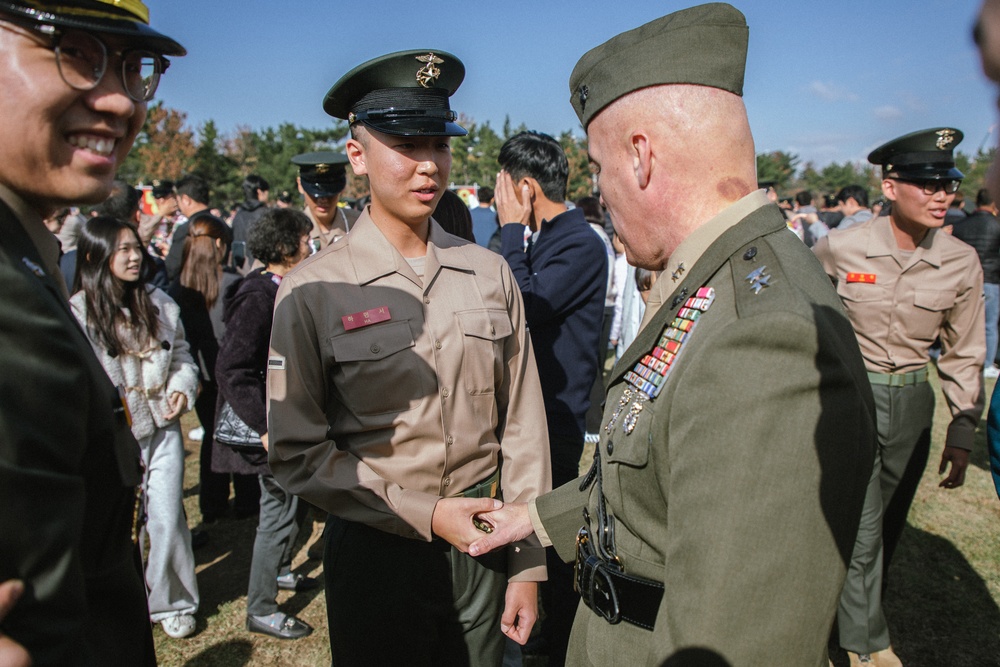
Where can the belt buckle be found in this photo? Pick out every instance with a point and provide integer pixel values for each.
(603, 596)
(592, 580)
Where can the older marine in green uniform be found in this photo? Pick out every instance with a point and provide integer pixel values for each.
(717, 521)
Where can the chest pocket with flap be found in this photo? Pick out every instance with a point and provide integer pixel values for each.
(375, 370)
(484, 331)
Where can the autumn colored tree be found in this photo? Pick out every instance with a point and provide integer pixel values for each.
(163, 149)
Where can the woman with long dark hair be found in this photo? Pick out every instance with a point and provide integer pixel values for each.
(198, 291)
(136, 332)
(279, 239)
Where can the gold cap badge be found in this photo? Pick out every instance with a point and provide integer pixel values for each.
(945, 137)
(428, 74)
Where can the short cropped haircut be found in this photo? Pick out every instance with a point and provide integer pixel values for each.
(538, 156)
(983, 198)
(194, 187)
(804, 198)
(856, 192)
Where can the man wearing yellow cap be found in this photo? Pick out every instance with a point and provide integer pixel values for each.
(716, 523)
(76, 76)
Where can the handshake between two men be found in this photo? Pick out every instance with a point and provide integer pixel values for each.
(477, 526)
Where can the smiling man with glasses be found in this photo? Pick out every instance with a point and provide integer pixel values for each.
(905, 283)
(75, 77)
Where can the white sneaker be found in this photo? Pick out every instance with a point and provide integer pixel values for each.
(991, 372)
(178, 627)
(196, 433)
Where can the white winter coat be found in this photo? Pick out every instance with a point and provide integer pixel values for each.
(150, 375)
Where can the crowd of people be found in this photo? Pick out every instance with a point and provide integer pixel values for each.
(422, 372)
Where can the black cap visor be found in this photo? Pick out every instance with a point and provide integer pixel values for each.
(411, 122)
(133, 32)
(323, 189)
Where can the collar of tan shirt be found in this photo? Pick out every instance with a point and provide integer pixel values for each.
(374, 256)
(694, 246)
(882, 243)
(44, 241)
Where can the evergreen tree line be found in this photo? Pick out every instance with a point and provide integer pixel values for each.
(168, 149)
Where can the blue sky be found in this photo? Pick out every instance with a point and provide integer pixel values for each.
(828, 81)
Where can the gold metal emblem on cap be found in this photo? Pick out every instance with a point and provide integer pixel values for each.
(945, 137)
(428, 75)
(351, 118)
(322, 168)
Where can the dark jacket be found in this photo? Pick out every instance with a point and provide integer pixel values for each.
(240, 369)
(563, 278)
(68, 470)
(247, 215)
(981, 230)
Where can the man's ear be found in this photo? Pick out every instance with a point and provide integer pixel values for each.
(889, 189)
(356, 154)
(642, 158)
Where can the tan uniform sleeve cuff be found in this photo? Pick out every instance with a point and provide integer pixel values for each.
(536, 523)
(961, 432)
(416, 509)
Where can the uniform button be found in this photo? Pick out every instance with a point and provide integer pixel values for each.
(611, 447)
(375, 349)
(427, 299)
(445, 392)
(437, 344)
(450, 440)
(750, 253)
(493, 331)
(447, 481)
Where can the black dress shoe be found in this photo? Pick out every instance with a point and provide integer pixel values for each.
(296, 582)
(279, 625)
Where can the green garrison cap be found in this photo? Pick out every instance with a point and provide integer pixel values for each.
(923, 155)
(404, 93)
(124, 18)
(322, 173)
(704, 45)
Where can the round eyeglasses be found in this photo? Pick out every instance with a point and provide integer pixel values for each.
(82, 59)
(949, 186)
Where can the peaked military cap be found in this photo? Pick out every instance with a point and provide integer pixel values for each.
(125, 18)
(923, 155)
(322, 174)
(404, 93)
(704, 45)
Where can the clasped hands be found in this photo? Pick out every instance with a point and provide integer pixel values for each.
(453, 521)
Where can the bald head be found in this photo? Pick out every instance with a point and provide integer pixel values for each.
(682, 153)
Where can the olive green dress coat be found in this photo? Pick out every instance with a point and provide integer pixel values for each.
(742, 484)
(68, 470)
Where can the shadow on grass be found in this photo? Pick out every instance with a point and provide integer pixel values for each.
(939, 609)
(234, 653)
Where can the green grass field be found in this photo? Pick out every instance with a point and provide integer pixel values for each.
(943, 603)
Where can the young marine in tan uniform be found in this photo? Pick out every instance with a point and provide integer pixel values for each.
(905, 284)
(322, 178)
(401, 378)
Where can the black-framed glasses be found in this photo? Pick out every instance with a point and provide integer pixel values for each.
(82, 59)
(931, 187)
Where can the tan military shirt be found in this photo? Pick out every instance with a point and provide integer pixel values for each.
(320, 238)
(899, 303)
(388, 391)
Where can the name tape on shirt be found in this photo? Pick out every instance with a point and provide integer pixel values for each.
(861, 278)
(366, 318)
(275, 363)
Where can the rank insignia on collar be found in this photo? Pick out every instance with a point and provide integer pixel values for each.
(758, 279)
(945, 137)
(676, 275)
(428, 75)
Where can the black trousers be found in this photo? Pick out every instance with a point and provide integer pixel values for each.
(397, 601)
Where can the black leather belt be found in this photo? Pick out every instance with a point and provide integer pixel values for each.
(609, 592)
